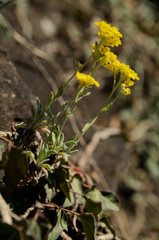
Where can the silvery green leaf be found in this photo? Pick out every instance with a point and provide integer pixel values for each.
(53, 138)
(64, 106)
(47, 166)
(33, 112)
(106, 108)
(86, 126)
(39, 105)
(83, 96)
(59, 93)
(60, 139)
(49, 100)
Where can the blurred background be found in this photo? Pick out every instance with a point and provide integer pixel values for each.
(43, 39)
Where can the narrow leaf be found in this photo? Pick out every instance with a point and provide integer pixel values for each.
(71, 142)
(30, 155)
(86, 126)
(60, 139)
(49, 100)
(33, 112)
(59, 93)
(47, 166)
(39, 105)
(64, 106)
(106, 108)
(83, 96)
(53, 138)
(50, 152)
(64, 222)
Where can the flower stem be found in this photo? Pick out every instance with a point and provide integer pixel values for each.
(115, 86)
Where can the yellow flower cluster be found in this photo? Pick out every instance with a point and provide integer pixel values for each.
(86, 80)
(106, 58)
(110, 36)
(128, 75)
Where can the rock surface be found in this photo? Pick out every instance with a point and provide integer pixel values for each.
(15, 96)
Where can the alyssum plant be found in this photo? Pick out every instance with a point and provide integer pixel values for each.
(48, 197)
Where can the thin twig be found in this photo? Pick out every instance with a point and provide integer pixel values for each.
(81, 194)
(5, 211)
(53, 205)
(8, 141)
(65, 236)
(107, 236)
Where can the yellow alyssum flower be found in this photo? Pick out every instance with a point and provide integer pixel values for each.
(86, 80)
(110, 36)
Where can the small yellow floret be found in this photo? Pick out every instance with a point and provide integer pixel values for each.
(129, 83)
(124, 90)
(86, 80)
(127, 73)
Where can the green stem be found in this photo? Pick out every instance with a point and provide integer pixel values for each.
(89, 70)
(112, 92)
(73, 102)
(83, 65)
(115, 86)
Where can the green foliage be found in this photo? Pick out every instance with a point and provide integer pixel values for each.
(38, 171)
(88, 223)
(145, 178)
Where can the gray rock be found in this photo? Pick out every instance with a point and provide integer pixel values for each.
(15, 96)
